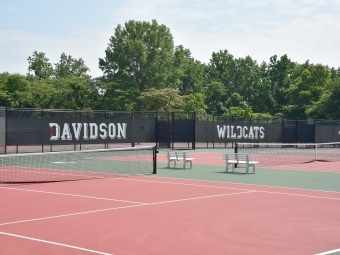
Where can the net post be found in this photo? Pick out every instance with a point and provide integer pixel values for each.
(316, 152)
(236, 151)
(154, 152)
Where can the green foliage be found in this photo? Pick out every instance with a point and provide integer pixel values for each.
(144, 71)
(116, 95)
(40, 66)
(195, 103)
(236, 100)
(142, 53)
(307, 90)
(68, 67)
(328, 107)
(15, 91)
(74, 93)
(239, 111)
(44, 94)
(215, 97)
(188, 71)
(162, 100)
(280, 73)
(64, 93)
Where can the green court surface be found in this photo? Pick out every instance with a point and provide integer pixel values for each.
(304, 179)
(330, 253)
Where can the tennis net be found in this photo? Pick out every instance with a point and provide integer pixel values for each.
(76, 165)
(270, 154)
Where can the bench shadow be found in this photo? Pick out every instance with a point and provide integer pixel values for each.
(177, 168)
(235, 173)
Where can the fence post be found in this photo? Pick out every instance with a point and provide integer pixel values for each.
(133, 129)
(193, 116)
(236, 151)
(42, 130)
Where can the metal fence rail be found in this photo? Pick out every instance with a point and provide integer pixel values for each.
(33, 130)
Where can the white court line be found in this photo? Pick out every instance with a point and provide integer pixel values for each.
(194, 198)
(73, 195)
(233, 183)
(121, 207)
(70, 214)
(268, 192)
(59, 244)
(180, 183)
(195, 185)
(298, 195)
(328, 252)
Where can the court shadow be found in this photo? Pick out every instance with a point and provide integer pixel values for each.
(177, 168)
(233, 173)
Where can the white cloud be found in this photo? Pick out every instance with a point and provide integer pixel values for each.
(302, 38)
(302, 29)
(88, 45)
(300, 8)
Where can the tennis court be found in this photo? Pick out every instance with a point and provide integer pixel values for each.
(282, 209)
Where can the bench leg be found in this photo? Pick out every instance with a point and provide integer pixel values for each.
(227, 167)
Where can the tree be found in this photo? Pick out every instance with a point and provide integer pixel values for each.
(221, 68)
(4, 98)
(195, 103)
(280, 74)
(307, 90)
(328, 107)
(265, 101)
(40, 66)
(45, 94)
(15, 91)
(239, 111)
(236, 100)
(116, 95)
(67, 93)
(215, 97)
(190, 72)
(69, 66)
(251, 84)
(161, 100)
(140, 53)
(335, 73)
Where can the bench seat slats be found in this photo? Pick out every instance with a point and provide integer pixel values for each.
(174, 156)
(237, 158)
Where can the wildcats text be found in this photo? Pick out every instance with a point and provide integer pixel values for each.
(240, 132)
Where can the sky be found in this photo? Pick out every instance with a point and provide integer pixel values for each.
(302, 29)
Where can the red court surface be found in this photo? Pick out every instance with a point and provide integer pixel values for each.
(152, 215)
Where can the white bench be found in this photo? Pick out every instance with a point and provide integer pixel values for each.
(185, 157)
(230, 159)
(173, 156)
(239, 158)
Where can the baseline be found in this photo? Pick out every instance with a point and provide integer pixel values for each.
(54, 243)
